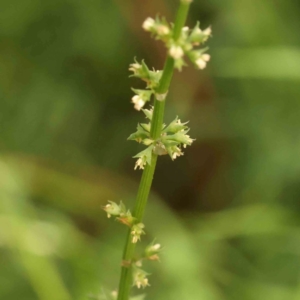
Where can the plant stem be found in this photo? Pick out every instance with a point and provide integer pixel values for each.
(147, 177)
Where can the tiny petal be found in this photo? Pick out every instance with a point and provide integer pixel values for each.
(138, 102)
(177, 152)
(148, 24)
(201, 63)
(176, 52)
(140, 163)
(207, 31)
(162, 30)
(134, 67)
(206, 57)
(156, 247)
(140, 278)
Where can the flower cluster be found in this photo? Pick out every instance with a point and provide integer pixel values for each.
(159, 28)
(173, 138)
(137, 231)
(140, 277)
(189, 38)
(141, 70)
(151, 252)
(124, 216)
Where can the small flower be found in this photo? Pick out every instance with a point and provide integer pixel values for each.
(126, 218)
(140, 70)
(148, 113)
(202, 61)
(176, 52)
(113, 209)
(162, 29)
(144, 157)
(189, 141)
(151, 252)
(155, 247)
(137, 231)
(148, 24)
(176, 152)
(138, 102)
(139, 263)
(160, 149)
(140, 163)
(140, 278)
(139, 135)
(207, 31)
(175, 126)
(135, 67)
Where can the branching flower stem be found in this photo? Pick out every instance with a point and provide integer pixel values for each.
(147, 177)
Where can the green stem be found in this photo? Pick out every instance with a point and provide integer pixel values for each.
(147, 177)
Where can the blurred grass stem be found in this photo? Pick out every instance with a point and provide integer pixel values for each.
(147, 177)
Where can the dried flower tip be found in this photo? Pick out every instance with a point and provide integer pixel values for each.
(148, 24)
(126, 219)
(176, 52)
(138, 102)
(154, 257)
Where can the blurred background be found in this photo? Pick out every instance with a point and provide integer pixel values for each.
(227, 212)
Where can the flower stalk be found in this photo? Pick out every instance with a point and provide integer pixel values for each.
(147, 177)
(159, 138)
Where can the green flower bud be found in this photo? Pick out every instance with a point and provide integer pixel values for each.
(139, 70)
(140, 278)
(144, 157)
(113, 209)
(199, 36)
(154, 78)
(180, 137)
(144, 94)
(151, 252)
(137, 231)
(148, 113)
(175, 126)
(139, 135)
(146, 127)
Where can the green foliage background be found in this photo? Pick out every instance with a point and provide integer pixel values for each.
(227, 213)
